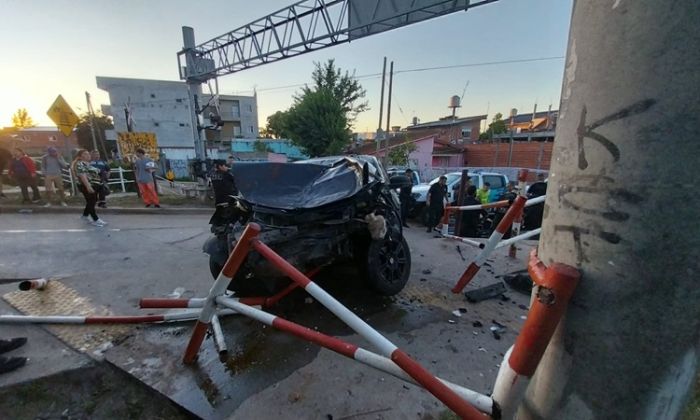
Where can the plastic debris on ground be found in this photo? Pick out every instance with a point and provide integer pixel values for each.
(486, 292)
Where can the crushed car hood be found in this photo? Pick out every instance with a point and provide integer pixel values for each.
(301, 185)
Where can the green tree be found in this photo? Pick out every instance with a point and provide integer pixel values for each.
(497, 126)
(21, 119)
(318, 123)
(84, 134)
(276, 125)
(398, 155)
(346, 89)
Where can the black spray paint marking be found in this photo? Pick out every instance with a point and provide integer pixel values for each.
(577, 231)
(586, 131)
(609, 213)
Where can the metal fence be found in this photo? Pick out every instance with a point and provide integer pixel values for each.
(116, 177)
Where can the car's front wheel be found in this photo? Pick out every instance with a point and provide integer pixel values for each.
(388, 265)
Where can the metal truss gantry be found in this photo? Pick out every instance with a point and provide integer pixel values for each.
(303, 27)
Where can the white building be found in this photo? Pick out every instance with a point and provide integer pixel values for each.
(162, 107)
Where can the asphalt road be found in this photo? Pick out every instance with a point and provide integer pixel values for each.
(268, 374)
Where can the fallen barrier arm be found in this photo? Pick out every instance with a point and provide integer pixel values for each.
(107, 319)
(490, 245)
(482, 402)
(403, 360)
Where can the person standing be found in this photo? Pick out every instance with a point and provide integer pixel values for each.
(405, 198)
(103, 167)
(88, 181)
(143, 169)
(436, 202)
(52, 164)
(23, 170)
(5, 158)
(483, 193)
(468, 227)
(223, 182)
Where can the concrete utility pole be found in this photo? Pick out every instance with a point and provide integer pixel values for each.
(385, 159)
(381, 110)
(91, 117)
(195, 94)
(622, 205)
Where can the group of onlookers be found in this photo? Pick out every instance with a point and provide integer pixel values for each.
(89, 170)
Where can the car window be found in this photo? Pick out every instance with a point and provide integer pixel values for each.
(414, 176)
(496, 181)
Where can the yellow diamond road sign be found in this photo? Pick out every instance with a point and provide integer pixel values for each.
(62, 114)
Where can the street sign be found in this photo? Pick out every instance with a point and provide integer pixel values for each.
(62, 114)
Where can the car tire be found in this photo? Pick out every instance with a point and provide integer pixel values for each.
(388, 265)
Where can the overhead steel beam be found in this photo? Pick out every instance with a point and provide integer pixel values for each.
(306, 26)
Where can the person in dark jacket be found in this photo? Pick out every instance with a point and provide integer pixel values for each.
(405, 198)
(436, 202)
(222, 182)
(470, 218)
(104, 169)
(23, 171)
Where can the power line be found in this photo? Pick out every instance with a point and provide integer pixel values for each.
(488, 63)
(376, 75)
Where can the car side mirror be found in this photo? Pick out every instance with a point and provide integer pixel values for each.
(399, 181)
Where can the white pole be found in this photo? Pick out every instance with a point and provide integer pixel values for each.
(121, 179)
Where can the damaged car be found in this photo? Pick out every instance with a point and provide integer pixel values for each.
(314, 213)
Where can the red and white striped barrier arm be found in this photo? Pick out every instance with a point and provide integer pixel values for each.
(495, 237)
(554, 287)
(495, 204)
(521, 237)
(218, 333)
(482, 402)
(112, 319)
(38, 284)
(267, 301)
(386, 347)
(518, 219)
(465, 240)
(156, 303)
(233, 263)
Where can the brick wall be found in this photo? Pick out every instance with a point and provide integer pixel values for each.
(534, 155)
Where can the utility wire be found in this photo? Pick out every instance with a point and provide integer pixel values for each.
(374, 75)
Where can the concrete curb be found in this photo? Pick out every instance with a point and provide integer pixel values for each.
(9, 208)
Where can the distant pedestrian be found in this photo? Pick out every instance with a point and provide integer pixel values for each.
(5, 158)
(104, 169)
(469, 224)
(23, 171)
(436, 202)
(52, 165)
(405, 197)
(88, 181)
(222, 182)
(230, 161)
(144, 167)
(483, 193)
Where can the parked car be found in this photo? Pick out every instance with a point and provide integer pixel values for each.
(314, 213)
(394, 170)
(498, 187)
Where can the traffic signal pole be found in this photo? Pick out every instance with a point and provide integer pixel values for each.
(622, 207)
